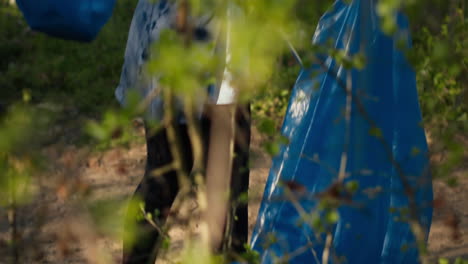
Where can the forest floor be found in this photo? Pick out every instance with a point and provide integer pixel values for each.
(56, 226)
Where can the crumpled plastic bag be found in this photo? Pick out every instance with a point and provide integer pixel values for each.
(79, 20)
(375, 130)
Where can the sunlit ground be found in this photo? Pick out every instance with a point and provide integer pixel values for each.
(59, 225)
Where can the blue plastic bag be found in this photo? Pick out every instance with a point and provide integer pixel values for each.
(69, 19)
(381, 144)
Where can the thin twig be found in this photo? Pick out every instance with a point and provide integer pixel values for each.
(344, 154)
(291, 47)
(163, 170)
(198, 168)
(327, 249)
(153, 223)
(297, 252)
(12, 219)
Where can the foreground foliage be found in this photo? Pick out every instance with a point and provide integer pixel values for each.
(36, 69)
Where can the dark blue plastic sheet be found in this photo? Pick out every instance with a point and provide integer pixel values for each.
(384, 142)
(69, 19)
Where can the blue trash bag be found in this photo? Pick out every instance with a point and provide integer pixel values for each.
(364, 125)
(79, 20)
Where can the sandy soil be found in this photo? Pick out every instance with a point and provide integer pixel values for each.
(55, 229)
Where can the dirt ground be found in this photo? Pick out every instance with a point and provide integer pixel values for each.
(55, 230)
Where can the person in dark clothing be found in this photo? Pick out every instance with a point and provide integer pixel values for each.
(158, 193)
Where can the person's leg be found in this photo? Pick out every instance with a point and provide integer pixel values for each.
(240, 180)
(158, 194)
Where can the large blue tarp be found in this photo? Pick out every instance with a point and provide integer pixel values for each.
(69, 19)
(382, 137)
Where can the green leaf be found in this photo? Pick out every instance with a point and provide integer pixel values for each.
(332, 217)
(267, 126)
(443, 261)
(352, 186)
(375, 132)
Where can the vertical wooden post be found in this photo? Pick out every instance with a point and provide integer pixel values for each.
(219, 170)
